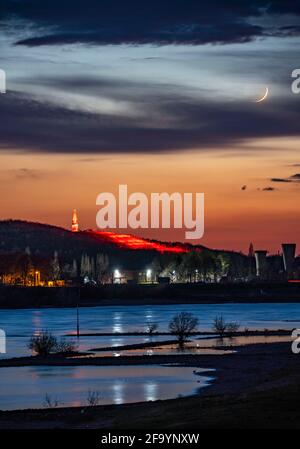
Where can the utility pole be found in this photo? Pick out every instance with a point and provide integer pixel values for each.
(77, 314)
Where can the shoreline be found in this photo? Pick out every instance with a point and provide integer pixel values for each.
(154, 302)
(245, 393)
(87, 358)
(209, 334)
(16, 297)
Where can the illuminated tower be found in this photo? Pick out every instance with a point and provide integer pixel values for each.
(75, 226)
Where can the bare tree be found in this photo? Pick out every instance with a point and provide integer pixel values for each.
(65, 347)
(151, 328)
(86, 266)
(182, 325)
(55, 267)
(102, 267)
(93, 398)
(219, 325)
(24, 266)
(43, 344)
(49, 402)
(232, 328)
(74, 269)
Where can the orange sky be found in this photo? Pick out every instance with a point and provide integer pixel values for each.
(163, 101)
(46, 188)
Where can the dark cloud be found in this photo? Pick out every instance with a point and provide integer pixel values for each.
(280, 180)
(27, 173)
(268, 189)
(173, 123)
(158, 22)
(293, 178)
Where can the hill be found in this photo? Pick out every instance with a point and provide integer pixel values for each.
(43, 240)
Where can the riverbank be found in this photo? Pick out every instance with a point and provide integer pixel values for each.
(184, 357)
(258, 386)
(152, 294)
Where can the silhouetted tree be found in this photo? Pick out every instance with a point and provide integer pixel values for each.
(151, 328)
(102, 267)
(182, 325)
(55, 267)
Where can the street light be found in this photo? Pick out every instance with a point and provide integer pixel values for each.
(148, 275)
(117, 276)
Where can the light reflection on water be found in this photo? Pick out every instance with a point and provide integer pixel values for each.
(242, 340)
(151, 391)
(203, 346)
(19, 325)
(117, 323)
(26, 387)
(118, 395)
(162, 350)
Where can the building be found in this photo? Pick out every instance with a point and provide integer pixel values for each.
(288, 253)
(261, 264)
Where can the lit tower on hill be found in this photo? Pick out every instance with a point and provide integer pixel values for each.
(75, 226)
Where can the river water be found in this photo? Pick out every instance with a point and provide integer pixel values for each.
(27, 387)
(19, 325)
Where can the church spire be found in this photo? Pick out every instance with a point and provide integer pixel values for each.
(251, 250)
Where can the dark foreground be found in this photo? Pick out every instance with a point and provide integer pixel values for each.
(259, 387)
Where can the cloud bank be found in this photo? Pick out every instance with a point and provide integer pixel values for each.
(152, 22)
(187, 123)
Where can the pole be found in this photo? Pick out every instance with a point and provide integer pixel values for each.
(77, 314)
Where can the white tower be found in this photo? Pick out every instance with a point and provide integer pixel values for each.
(75, 226)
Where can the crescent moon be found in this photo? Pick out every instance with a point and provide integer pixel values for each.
(263, 97)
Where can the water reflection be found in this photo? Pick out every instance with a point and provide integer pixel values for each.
(118, 393)
(117, 322)
(27, 387)
(151, 391)
(232, 342)
(36, 320)
(19, 325)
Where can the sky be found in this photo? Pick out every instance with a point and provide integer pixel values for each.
(160, 96)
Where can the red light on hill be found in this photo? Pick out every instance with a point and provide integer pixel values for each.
(135, 243)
